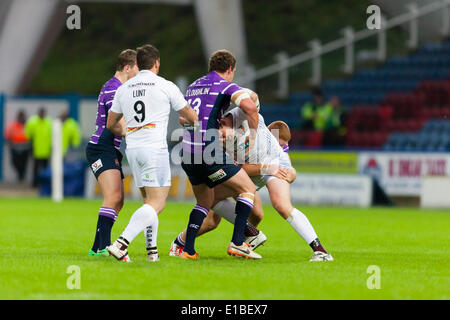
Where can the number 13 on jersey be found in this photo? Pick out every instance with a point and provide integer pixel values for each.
(195, 104)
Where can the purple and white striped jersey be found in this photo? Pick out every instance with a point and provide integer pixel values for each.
(202, 95)
(103, 136)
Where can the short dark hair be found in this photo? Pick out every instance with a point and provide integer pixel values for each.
(147, 56)
(126, 58)
(221, 61)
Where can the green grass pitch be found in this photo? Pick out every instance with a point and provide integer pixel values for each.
(40, 240)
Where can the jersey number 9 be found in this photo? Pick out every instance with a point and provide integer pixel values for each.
(139, 107)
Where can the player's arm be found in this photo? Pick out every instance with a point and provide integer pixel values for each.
(252, 169)
(115, 123)
(188, 115)
(264, 170)
(243, 100)
(123, 124)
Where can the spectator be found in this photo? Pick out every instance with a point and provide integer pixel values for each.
(38, 130)
(310, 110)
(333, 120)
(18, 143)
(71, 132)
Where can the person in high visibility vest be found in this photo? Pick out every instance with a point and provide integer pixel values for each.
(310, 116)
(71, 132)
(19, 146)
(38, 129)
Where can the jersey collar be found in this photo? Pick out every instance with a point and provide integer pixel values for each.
(146, 72)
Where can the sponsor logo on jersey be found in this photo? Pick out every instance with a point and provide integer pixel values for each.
(96, 165)
(147, 126)
(217, 175)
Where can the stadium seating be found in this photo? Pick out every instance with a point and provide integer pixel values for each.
(394, 107)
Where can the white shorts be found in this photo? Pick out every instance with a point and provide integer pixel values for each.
(150, 166)
(261, 181)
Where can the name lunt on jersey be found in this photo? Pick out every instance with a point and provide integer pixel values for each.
(138, 93)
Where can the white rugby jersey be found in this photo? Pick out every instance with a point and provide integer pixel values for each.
(266, 150)
(145, 102)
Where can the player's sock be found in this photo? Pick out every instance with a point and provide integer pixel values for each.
(141, 219)
(97, 237)
(317, 246)
(250, 230)
(303, 227)
(151, 234)
(243, 207)
(106, 218)
(179, 240)
(226, 209)
(196, 218)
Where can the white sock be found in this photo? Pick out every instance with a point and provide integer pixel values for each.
(141, 219)
(151, 234)
(225, 209)
(302, 226)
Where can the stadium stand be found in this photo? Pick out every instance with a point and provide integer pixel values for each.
(404, 105)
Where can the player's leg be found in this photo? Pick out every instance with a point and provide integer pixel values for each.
(279, 191)
(257, 214)
(204, 196)
(111, 186)
(244, 189)
(253, 236)
(151, 172)
(142, 218)
(151, 235)
(226, 209)
(210, 223)
(107, 169)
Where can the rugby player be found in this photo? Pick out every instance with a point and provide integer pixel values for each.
(145, 103)
(210, 96)
(262, 162)
(104, 157)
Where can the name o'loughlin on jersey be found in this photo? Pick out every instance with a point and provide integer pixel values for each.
(197, 92)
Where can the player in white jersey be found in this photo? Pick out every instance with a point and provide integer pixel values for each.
(145, 103)
(267, 164)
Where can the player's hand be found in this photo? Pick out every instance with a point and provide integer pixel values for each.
(291, 175)
(282, 174)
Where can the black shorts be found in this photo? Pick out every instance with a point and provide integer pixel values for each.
(210, 174)
(101, 159)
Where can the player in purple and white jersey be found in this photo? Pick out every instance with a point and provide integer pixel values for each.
(211, 96)
(104, 157)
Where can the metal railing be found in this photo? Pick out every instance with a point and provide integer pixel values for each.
(284, 62)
